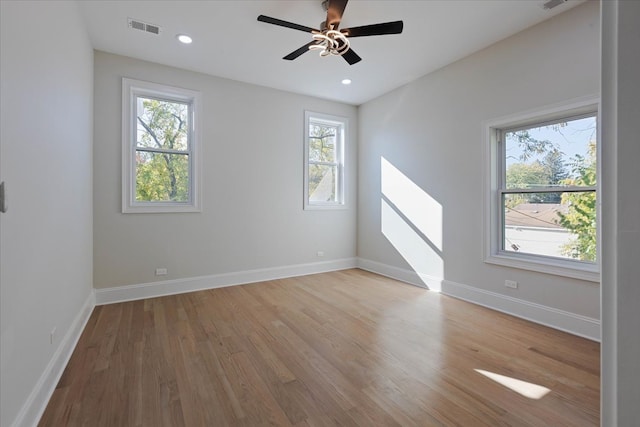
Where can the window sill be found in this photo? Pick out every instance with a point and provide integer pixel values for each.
(325, 207)
(160, 208)
(573, 269)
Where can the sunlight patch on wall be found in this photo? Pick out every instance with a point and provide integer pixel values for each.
(526, 389)
(422, 210)
(412, 222)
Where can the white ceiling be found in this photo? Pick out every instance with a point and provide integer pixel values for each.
(229, 41)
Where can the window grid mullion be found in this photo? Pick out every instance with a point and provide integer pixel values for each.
(319, 163)
(162, 151)
(568, 189)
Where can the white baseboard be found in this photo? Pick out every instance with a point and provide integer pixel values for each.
(191, 284)
(572, 323)
(404, 275)
(37, 401)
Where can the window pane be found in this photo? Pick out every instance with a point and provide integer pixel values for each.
(162, 124)
(552, 156)
(162, 177)
(553, 224)
(322, 143)
(322, 183)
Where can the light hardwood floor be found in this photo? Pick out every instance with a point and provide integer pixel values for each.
(347, 348)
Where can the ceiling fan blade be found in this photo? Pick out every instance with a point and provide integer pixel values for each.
(394, 27)
(351, 57)
(280, 22)
(335, 9)
(293, 55)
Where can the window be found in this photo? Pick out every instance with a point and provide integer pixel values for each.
(324, 161)
(543, 192)
(160, 170)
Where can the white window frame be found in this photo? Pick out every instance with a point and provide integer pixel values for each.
(131, 89)
(341, 124)
(494, 163)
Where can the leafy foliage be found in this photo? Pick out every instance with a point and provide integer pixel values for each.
(581, 217)
(549, 172)
(542, 164)
(528, 144)
(162, 177)
(162, 162)
(526, 175)
(555, 167)
(322, 162)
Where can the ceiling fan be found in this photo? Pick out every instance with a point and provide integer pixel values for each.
(328, 40)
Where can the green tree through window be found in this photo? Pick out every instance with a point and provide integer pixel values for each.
(160, 147)
(162, 158)
(324, 162)
(581, 216)
(550, 186)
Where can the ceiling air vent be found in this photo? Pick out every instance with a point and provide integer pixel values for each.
(552, 3)
(143, 26)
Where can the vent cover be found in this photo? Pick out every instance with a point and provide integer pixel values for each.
(552, 3)
(143, 26)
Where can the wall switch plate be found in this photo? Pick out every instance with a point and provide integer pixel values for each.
(161, 271)
(320, 253)
(511, 284)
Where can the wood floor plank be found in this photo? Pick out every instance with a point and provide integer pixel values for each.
(346, 348)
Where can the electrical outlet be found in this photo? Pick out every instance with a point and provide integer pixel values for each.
(52, 336)
(511, 284)
(320, 254)
(161, 271)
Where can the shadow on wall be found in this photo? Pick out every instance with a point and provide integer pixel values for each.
(412, 222)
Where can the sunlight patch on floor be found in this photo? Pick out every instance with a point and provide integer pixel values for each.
(526, 389)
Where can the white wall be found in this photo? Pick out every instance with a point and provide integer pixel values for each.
(252, 185)
(431, 131)
(46, 71)
(621, 213)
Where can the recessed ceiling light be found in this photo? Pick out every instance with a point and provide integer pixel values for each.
(346, 81)
(183, 38)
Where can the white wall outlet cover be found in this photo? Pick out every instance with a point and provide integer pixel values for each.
(511, 284)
